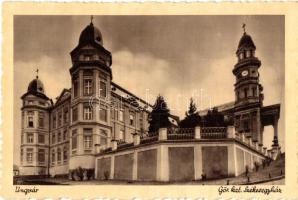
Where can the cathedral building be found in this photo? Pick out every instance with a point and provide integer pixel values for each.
(97, 124)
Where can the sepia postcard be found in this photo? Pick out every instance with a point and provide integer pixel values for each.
(149, 100)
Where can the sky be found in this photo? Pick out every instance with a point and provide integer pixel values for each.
(176, 56)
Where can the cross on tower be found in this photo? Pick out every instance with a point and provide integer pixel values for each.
(37, 73)
(243, 26)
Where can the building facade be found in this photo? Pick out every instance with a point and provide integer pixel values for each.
(60, 136)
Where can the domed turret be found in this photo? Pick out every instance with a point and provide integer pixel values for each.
(90, 34)
(246, 43)
(36, 86)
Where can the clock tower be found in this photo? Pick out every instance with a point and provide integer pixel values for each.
(248, 90)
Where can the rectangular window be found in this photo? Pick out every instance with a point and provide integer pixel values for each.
(103, 89)
(75, 87)
(41, 155)
(59, 136)
(87, 112)
(87, 138)
(65, 153)
(41, 138)
(121, 115)
(88, 86)
(41, 120)
(30, 102)
(54, 120)
(30, 119)
(131, 118)
(245, 92)
(59, 118)
(59, 155)
(65, 134)
(74, 139)
(53, 138)
(254, 92)
(53, 156)
(103, 114)
(29, 155)
(74, 114)
(22, 138)
(65, 116)
(88, 141)
(30, 138)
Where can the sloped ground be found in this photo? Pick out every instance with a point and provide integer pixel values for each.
(275, 170)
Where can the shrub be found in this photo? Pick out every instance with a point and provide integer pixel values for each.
(90, 173)
(80, 173)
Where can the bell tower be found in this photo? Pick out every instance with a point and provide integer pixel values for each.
(248, 90)
(91, 76)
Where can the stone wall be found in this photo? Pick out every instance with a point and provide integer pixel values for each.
(215, 161)
(103, 168)
(181, 163)
(147, 164)
(123, 167)
(240, 161)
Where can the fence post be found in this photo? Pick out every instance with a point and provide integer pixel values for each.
(249, 140)
(231, 132)
(197, 132)
(162, 134)
(136, 139)
(114, 145)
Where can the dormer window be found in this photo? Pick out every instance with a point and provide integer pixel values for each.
(241, 56)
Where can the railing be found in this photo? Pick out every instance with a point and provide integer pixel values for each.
(106, 150)
(180, 133)
(213, 132)
(213, 129)
(187, 131)
(146, 140)
(124, 145)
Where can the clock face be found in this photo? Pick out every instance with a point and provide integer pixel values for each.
(244, 73)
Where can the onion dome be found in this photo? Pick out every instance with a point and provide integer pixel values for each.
(36, 88)
(246, 43)
(90, 34)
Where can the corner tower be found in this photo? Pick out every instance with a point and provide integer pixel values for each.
(35, 130)
(248, 90)
(91, 76)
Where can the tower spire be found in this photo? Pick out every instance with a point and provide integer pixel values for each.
(243, 27)
(91, 19)
(37, 70)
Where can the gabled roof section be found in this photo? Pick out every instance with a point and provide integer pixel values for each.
(65, 94)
